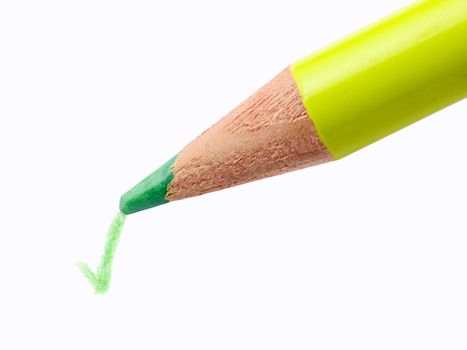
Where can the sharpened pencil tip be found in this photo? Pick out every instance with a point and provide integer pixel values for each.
(150, 192)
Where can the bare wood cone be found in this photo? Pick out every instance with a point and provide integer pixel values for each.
(268, 134)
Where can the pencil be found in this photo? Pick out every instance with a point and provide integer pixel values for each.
(325, 106)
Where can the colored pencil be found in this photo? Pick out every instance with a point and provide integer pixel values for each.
(325, 106)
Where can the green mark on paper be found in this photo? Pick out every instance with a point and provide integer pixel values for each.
(101, 279)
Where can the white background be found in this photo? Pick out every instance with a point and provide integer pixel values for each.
(365, 253)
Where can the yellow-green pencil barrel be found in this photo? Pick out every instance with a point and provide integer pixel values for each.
(396, 72)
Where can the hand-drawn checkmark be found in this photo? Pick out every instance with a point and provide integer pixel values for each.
(101, 279)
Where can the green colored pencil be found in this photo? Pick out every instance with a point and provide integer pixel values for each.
(326, 106)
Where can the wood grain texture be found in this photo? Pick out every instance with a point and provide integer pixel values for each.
(268, 134)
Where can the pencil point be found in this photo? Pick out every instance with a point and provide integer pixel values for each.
(150, 192)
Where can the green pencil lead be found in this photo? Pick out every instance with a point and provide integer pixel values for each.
(101, 279)
(150, 192)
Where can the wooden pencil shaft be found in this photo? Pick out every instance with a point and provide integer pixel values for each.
(326, 106)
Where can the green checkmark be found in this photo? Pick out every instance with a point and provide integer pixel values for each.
(101, 278)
